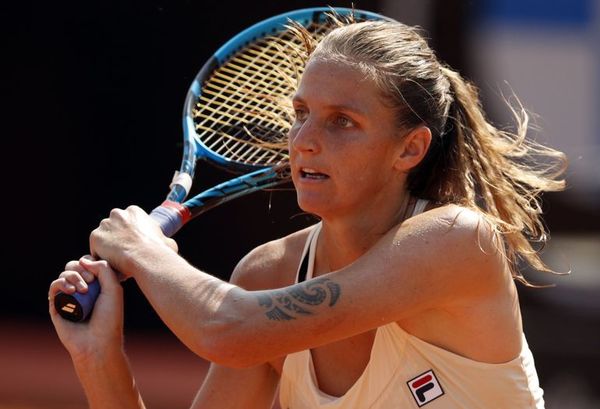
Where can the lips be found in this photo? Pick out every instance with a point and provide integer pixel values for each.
(309, 173)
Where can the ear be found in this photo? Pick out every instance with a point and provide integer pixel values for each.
(414, 146)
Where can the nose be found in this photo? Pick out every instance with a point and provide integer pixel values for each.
(304, 136)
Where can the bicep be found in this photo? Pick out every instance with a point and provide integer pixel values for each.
(225, 388)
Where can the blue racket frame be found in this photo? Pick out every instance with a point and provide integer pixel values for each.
(174, 212)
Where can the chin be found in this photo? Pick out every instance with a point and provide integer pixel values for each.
(314, 205)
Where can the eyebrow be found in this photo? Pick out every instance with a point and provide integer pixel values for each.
(337, 107)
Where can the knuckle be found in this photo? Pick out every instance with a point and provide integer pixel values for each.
(134, 208)
(58, 285)
(55, 287)
(72, 265)
(71, 276)
(116, 213)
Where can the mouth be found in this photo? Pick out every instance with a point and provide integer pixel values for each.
(308, 173)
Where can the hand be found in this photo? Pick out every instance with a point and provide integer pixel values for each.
(125, 235)
(104, 331)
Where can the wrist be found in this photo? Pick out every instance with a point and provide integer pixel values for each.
(96, 359)
(151, 257)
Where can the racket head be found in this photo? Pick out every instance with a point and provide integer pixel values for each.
(237, 111)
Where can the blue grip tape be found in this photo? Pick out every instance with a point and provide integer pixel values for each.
(168, 219)
(87, 300)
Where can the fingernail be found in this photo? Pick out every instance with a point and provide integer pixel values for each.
(70, 287)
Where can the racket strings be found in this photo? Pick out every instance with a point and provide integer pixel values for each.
(270, 125)
(245, 112)
(274, 110)
(234, 92)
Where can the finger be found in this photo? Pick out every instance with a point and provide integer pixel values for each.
(87, 257)
(73, 265)
(60, 285)
(104, 273)
(87, 276)
(75, 279)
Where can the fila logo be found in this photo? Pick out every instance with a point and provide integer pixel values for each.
(425, 388)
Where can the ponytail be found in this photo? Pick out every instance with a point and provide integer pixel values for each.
(469, 162)
(499, 173)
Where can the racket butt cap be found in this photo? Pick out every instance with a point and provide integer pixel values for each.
(77, 307)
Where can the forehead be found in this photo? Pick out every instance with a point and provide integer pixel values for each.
(333, 82)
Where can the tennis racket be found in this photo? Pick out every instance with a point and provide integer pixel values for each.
(236, 115)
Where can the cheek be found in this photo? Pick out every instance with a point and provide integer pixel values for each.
(355, 171)
(371, 165)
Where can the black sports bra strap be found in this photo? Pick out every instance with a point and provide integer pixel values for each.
(303, 271)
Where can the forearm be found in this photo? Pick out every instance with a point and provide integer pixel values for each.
(193, 304)
(233, 327)
(217, 320)
(108, 382)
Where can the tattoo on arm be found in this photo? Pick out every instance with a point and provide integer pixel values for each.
(288, 304)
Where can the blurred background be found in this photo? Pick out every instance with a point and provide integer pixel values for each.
(92, 94)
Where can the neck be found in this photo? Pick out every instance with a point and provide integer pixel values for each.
(345, 238)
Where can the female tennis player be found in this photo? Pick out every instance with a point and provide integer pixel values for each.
(403, 295)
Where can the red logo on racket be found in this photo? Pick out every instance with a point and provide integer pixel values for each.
(425, 388)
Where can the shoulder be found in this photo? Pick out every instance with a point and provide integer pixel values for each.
(458, 245)
(454, 224)
(272, 264)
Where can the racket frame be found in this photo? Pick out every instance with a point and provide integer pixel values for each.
(175, 211)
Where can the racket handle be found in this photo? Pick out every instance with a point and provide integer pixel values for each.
(77, 307)
(170, 216)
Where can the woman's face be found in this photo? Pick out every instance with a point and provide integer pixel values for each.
(343, 143)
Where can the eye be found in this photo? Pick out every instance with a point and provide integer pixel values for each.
(300, 114)
(343, 121)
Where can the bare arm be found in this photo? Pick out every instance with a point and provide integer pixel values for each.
(96, 347)
(109, 383)
(233, 388)
(428, 262)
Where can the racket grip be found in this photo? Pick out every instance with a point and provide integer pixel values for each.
(170, 216)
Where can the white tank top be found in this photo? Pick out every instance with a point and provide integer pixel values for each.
(406, 372)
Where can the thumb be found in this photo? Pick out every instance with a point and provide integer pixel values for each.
(105, 275)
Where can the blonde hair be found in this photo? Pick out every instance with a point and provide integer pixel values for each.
(470, 162)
